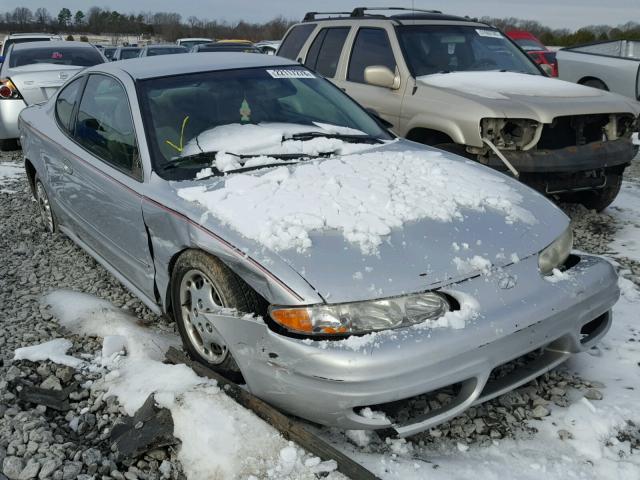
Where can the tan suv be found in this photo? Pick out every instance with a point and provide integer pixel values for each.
(463, 86)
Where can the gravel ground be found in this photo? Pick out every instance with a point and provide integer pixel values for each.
(40, 442)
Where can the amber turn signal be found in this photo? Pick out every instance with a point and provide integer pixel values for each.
(294, 319)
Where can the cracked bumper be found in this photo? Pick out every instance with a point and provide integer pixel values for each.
(327, 382)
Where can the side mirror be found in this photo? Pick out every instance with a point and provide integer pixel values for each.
(381, 76)
(546, 68)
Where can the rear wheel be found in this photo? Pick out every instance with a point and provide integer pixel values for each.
(44, 206)
(595, 83)
(202, 284)
(9, 144)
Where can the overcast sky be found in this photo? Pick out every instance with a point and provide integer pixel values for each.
(555, 13)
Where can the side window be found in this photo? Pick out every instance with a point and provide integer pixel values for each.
(293, 42)
(104, 125)
(371, 47)
(66, 101)
(325, 51)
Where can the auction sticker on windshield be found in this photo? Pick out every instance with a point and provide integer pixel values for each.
(489, 33)
(291, 73)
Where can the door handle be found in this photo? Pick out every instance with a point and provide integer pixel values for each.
(66, 166)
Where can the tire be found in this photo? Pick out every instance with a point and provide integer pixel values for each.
(600, 199)
(9, 145)
(47, 217)
(197, 275)
(595, 83)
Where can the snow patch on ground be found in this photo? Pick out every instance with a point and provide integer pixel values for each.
(626, 210)
(229, 441)
(363, 196)
(9, 173)
(54, 350)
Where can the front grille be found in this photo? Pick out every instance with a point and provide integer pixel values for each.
(573, 131)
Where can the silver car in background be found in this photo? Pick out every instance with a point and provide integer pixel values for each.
(305, 250)
(32, 72)
(613, 66)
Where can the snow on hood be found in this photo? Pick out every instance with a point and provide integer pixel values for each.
(502, 85)
(362, 196)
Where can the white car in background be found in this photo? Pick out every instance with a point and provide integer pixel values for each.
(14, 38)
(34, 71)
(192, 42)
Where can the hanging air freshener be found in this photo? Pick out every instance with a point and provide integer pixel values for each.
(245, 111)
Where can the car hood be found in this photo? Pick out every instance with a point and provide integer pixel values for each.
(517, 95)
(402, 218)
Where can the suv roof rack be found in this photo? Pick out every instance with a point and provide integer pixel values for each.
(360, 13)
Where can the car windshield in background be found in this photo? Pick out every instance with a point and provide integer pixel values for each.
(190, 118)
(450, 48)
(229, 48)
(529, 45)
(109, 51)
(192, 43)
(56, 55)
(152, 52)
(129, 53)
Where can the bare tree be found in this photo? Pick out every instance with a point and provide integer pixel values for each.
(42, 17)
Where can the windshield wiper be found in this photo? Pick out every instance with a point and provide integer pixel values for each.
(340, 136)
(196, 160)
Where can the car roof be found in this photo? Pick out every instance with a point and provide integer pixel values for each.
(408, 16)
(153, 67)
(51, 44)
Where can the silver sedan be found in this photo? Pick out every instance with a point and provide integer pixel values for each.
(32, 72)
(302, 248)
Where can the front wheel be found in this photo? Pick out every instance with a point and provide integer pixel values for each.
(200, 285)
(600, 199)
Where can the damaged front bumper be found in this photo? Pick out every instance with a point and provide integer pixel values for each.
(329, 382)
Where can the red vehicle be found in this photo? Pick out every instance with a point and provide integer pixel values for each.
(535, 49)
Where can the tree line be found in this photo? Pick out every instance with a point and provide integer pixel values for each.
(169, 26)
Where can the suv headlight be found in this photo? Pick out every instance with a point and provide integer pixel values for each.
(361, 317)
(557, 253)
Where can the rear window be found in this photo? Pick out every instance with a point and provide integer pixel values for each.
(550, 57)
(129, 53)
(56, 55)
(11, 41)
(152, 52)
(325, 50)
(293, 42)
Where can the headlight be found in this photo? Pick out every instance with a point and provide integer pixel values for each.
(557, 253)
(511, 133)
(361, 317)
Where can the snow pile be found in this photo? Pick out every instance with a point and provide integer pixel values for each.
(54, 350)
(363, 196)
(473, 264)
(626, 210)
(9, 173)
(265, 140)
(229, 441)
(501, 85)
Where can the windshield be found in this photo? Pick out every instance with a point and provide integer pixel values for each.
(432, 49)
(109, 51)
(56, 55)
(154, 51)
(129, 53)
(227, 119)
